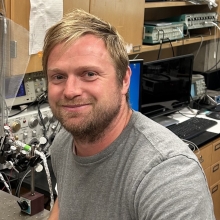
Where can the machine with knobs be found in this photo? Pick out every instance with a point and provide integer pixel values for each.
(33, 85)
(24, 145)
(19, 156)
(27, 136)
(16, 131)
(30, 128)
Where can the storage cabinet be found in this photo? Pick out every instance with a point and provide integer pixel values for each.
(127, 16)
(161, 10)
(69, 5)
(209, 157)
(215, 192)
(19, 12)
(215, 173)
(204, 156)
(216, 151)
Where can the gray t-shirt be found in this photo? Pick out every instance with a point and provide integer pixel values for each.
(147, 173)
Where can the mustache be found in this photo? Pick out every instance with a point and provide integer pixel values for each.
(75, 102)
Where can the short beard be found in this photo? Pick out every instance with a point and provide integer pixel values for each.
(94, 126)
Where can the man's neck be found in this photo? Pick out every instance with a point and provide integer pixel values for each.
(84, 149)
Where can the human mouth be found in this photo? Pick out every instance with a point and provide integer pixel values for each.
(74, 107)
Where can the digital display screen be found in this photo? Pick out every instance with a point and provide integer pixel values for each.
(166, 85)
(14, 87)
(21, 90)
(193, 90)
(135, 84)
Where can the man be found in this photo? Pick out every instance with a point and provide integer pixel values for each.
(111, 162)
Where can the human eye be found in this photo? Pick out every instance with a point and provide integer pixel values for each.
(89, 76)
(57, 78)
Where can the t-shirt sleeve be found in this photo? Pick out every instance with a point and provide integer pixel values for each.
(174, 189)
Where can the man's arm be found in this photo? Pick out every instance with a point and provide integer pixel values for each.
(54, 215)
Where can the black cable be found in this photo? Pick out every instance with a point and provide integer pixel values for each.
(38, 99)
(158, 56)
(171, 46)
(202, 107)
(17, 191)
(34, 102)
(41, 117)
(161, 42)
(185, 115)
(60, 127)
(197, 103)
(213, 66)
(199, 106)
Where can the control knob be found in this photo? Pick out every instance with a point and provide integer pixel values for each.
(15, 126)
(25, 135)
(44, 118)
(33, 122)
(34, 133)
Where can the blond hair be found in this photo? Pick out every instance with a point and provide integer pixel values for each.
(79, 23)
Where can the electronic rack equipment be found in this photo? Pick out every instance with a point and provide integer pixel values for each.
(22, 90)
(195, 21)
(155, 32)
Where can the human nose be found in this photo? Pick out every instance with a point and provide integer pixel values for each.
(72, 87)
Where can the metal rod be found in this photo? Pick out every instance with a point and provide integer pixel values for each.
(32, 173)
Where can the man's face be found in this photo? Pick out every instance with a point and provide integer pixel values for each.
(83, 90)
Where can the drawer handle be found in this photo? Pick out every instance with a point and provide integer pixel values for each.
(136, 48)
(215, 189)
(217, 147)
(201, 160)
(215, 168)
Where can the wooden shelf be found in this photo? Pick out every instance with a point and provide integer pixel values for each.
(177, 43)
(168, 4)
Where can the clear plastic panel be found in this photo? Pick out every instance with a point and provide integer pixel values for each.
(14, 58)
(3, 68)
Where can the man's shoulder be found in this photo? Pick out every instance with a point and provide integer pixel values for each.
(158, 138)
